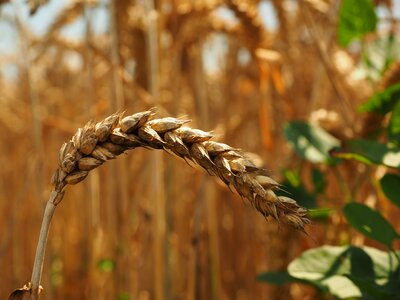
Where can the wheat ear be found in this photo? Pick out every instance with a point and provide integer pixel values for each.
(96, 143)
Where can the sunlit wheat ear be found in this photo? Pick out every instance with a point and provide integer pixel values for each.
(96, 143)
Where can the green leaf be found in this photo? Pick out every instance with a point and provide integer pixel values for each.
(320, 213)
(345, 271)
(390, 184)
(370, 223)
(277, 278)
(394, 124)
(382, 102)
(311, 142)
(372, 151)
(318, 180)
(106, 265)
(370, 289)
(356, 18)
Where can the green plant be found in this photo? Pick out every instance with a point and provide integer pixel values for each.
(348, 271)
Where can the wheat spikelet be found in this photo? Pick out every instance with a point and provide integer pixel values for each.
(95, 144)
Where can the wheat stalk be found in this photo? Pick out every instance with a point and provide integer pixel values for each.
(96, 143)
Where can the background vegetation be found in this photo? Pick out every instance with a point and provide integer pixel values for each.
(309, 87)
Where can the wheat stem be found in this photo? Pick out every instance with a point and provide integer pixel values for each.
(55, 197)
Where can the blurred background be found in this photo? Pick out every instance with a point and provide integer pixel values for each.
(242, 68)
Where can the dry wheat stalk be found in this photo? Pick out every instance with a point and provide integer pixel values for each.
(96, 143)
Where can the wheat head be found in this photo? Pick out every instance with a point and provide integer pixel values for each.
(96, 143)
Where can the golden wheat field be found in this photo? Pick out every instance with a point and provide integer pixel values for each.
(163, 133)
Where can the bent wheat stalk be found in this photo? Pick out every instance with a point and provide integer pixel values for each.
(96, 143)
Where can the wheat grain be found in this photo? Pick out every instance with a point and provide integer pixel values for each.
(95, 144)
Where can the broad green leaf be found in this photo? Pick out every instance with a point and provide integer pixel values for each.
(394, 124)
(320, 213)
(318, 180)
(390, 184)
(311, 142)
(319, 263)
(382, 102)
(372, 151)
(106, 265)
(340, 287)
(276, 277)
(370, 223)
(345, 271)
(371, 289)
(356, 18)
